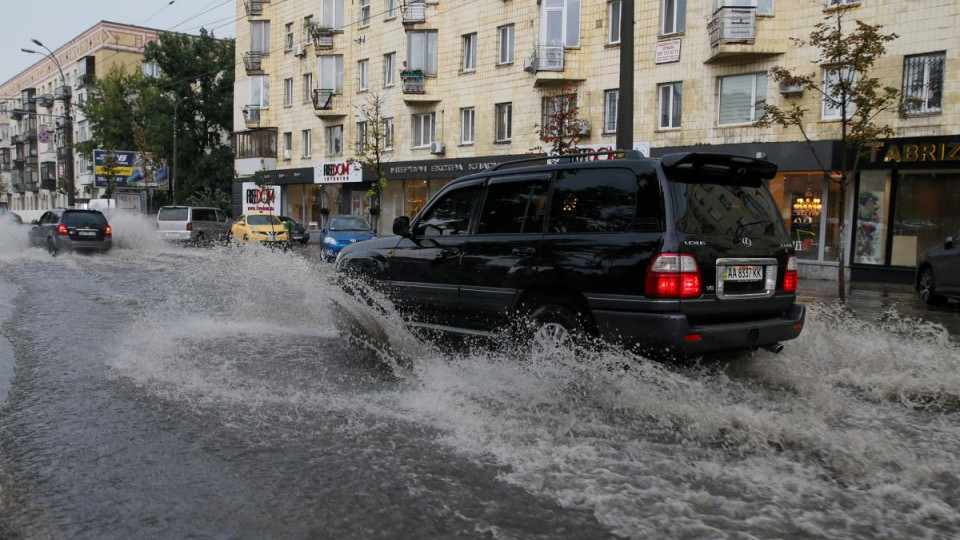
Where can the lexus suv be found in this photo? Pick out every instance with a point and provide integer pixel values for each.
(683, 254)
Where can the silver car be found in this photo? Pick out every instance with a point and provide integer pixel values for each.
(63, 229)
(192, 224)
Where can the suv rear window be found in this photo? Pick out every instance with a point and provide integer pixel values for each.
(604, 200)
(83, 219)
(748, 210)
(172, 214)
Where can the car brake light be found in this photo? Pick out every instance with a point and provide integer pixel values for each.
(62, 230)
(108, 232)
(673, 275)
(189, 226)
(791, 277)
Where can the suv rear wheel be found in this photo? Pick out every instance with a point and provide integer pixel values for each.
(926, 288)
(51, 247)
(551, 328)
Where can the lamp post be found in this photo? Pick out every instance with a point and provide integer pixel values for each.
(67, 124)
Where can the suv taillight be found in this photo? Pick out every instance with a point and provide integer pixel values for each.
(790, 277)
(190, 226)
(108, 232)
(62, 230)
(673, 275)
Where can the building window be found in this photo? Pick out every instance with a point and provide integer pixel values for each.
(832, 98)
(287, 92)
(835, 3)
(364, 13)
(331, 14)
(505, 55)
(288, 39)
(260, 90)
(363, 72)
(307, 24)
(739, 96)
(423, 130)
(331, 73)
(287, 145)
(388, 133)
(557, 110)
(469, 52)
(613, 21)
(361, 135)
(422, 51)
(560, 23)
(260, 37)
(389, 67)
(150, 69)
(307, 87)
(671, 105)
(504, 127)
(611, 103)
(673, 15)
(392, 8)
(335, 140)
(306, 142)
(923, 83)
(466, 125)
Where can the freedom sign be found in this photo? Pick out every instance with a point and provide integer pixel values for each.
(337, 172)
(260, 199)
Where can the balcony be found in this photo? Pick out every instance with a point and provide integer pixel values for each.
(18, 164)
(255, 150)
(31, 185)
(322, 38)
(413, 82)
(62, 93)
(6, 166)
(733, 33)
(414, 12)
(251, 115)
(553, 65)
(252, 62)
(324, 103)
(45, 100)
(28, 135)
(30, 161)
(17, 114)
(254, 7)
(16, 140)
(16, 182)
(48, 183)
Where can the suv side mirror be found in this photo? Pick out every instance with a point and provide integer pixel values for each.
(401, 226)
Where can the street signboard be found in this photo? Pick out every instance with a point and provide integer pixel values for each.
(128, 170)
(260, 199)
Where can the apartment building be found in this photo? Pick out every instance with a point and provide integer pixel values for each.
(32, 150)
(465, 84)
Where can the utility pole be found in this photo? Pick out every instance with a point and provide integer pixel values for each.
(625, 97)
(67, 94)
(173, 172)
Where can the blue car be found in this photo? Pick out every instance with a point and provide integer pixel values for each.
(341, 231)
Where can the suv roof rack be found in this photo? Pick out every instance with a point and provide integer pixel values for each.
(548, 159)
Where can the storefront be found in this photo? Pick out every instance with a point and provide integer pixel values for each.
(907, 200)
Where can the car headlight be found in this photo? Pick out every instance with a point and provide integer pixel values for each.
(330, 241)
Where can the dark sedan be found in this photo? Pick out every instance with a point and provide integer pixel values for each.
(298, 233)
(938, 273)
(73, 230)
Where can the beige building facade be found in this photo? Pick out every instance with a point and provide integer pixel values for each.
(464, 84)
(32, 153)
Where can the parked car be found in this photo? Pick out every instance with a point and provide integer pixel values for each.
(298, 233)
(192, 224)
(7, 216)
(341, 231)
(63, 229)
(938, 272)
(684, 254)
(259, 227)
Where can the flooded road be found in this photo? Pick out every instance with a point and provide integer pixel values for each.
(161, 392)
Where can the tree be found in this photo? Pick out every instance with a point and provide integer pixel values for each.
(115, 108)
(562, 128)
(847, 57)
(370, 150)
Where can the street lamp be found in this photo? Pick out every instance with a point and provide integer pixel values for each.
(67, 123)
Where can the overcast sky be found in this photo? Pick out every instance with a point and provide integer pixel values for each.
(65, 19)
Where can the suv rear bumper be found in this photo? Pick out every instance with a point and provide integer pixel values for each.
(670, 331)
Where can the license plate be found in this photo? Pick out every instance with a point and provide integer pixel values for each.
(743, 273)
(87, 233)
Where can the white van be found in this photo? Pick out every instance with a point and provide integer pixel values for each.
(192, 224)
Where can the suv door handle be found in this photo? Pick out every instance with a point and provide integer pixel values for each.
(523, 251)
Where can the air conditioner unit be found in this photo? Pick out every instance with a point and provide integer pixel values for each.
(789, 89)
(299, 51)
(437, 147)
(530, 63)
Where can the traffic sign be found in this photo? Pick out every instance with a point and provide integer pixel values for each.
(44, 137)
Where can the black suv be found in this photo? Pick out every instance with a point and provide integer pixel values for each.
(71, 229)
(685, 254)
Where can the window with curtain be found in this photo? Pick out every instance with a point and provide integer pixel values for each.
(505, 34)
(560, 23)
(739, 96)
(422, 51)
(611, 102)
(466, 125)
(331, 72)
(260, 37)
(671, 105)
(923, 76)
(673, 16)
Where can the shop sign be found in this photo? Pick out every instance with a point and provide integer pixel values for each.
(446, 169)
(260, 198)
(893, 152)
(668, 51)
(337, 172)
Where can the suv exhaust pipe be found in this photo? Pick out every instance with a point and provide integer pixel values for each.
(775, 348)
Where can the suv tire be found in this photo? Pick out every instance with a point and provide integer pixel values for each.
(926, 289)
(51, 247)
(551, 326)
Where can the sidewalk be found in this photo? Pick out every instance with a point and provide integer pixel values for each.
(871, 301)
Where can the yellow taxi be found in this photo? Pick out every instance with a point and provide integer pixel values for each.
(259, 227)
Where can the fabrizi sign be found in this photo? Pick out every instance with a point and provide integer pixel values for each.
(337, 172)
(260, 199)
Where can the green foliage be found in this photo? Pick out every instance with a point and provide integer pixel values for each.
(210, 197)
(370, 149)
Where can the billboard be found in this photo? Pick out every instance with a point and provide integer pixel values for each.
(129, 170)
(260, 199)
